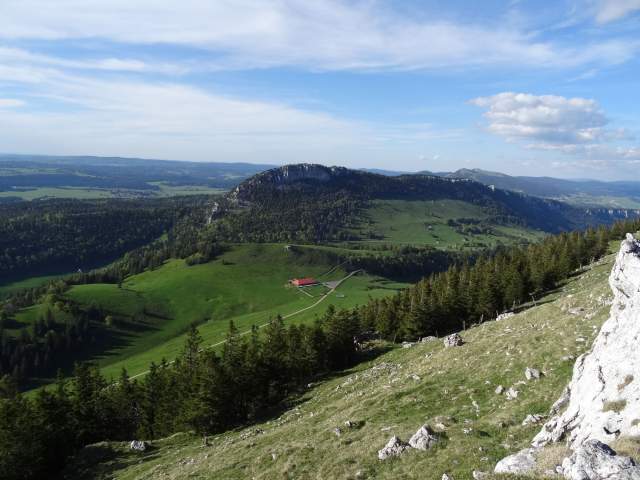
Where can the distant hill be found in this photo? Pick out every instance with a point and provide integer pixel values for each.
(33, 176)
(306, 202)
(579, 191)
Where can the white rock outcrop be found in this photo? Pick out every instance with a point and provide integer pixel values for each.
(520, 463)
(594, 460)
(603, 398)
(602, 401)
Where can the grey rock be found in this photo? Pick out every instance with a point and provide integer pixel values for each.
(532, 419)
(423, 439)
(519, 463)
(446, 477)
(453, 340)
(504, 316)
(532, 373)
(393, 448)
(478, 475)
(428, 339)
(499, 389)
(512, 393)
(138, 445)
(594, 460)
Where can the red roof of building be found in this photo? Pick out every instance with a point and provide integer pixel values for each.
(301, 282)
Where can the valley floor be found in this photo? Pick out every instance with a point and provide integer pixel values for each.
(394, 394)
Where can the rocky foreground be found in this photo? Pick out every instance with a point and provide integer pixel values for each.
(601, 404)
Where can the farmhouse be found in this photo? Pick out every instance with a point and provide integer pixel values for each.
(303, 282)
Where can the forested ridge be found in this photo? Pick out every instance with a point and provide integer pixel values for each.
(65, 235)
(315, 204)
(211, 392)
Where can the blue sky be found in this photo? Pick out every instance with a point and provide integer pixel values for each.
(524, 87)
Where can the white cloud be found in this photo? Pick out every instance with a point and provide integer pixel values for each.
(166, 120)
(120, 116)
(10, 103)
(327, 35)
(611, 10)
(544, 120)
(18, 56)
(576, 126)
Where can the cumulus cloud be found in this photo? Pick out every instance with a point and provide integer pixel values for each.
(545, 120)
(553, 123)
(612, 10)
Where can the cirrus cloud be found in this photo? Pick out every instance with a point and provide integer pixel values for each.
(612, 10)
(327, 35)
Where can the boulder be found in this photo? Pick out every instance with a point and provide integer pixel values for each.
(603, 397)
(393, 448)
(532, 419)
(512, 393)
(532, 373)
(138, 445)
(593, 460)
(453, 340)
(428, 339)
(477, 475)
(424, 438)
(446, 477)
(519, 463)
(504, 316)
(499, 390)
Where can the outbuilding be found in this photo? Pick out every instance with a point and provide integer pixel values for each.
(303, 282)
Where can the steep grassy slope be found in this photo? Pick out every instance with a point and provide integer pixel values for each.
(396, 393)
(151, 311)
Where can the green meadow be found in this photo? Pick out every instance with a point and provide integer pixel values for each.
(149, 313)
(426, 222)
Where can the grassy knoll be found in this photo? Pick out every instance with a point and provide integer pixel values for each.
(396, 393)
(150, 312)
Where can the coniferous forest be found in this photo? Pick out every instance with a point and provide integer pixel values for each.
(252, 376)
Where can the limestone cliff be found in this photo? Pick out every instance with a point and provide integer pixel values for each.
(602, 401)
(603, 398)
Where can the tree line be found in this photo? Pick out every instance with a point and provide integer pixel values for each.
(469, 293)
(202, 390)
(66, 235)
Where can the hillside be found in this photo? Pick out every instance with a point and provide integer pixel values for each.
(394, 393)
(317, 204)
(145, 318)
